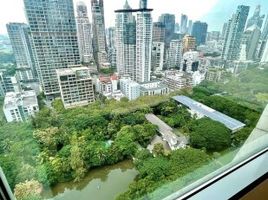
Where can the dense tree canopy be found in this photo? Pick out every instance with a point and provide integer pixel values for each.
(209, 134)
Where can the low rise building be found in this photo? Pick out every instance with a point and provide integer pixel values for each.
(153, 88)
(130, 89)
(8, 84)
(107, 84)
(76, 86)
(177, 80)
(21, 106)
(191, 61)
(214, 74)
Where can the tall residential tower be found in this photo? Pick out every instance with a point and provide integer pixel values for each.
(99, 36)
(84, 34)
(53, 27)
(22, 45)
(235, 29)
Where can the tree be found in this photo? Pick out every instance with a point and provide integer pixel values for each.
(158, 149)
(209, 134)
(77, 158)
(28, 190)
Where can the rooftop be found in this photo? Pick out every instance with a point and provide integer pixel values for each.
(229, 122)
(24, 98)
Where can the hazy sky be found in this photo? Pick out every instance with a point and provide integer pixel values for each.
(13, 11)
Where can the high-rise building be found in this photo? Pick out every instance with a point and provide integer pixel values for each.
(235, 29)
(76, 86)
(22, 45)
(143, 43)
(175, 54)
(84, 34)
(99, 36)
(20, 106)
(53, 27)
(158, 52)
(190, 27)
(159, 32)
(199, 31)
(168, 20)
(224, 31)
(264, 58)
(250, 41)
(264, 35)
(184, 22)
(110, 35)
(8, 84)
(125, 33)
(256, 19)
(189, 43)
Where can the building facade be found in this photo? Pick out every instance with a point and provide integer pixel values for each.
(143, 44)
(84, 34)
(249, 42)
(22, 45)
(264, 58)
(199, 31)
(256, 19)
(175, 54)
(235, 29)
(189, 43)
(168, 20)
(53, 28)
(125, 33)
(76, 86)
(158, 53)
(159, 32)
(184, 23)
(8, 84)
(99, 36)
(153, 88)
(20, 107)
(129, 88)
(191, 61)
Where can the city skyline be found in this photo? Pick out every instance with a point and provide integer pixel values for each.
(208, 13)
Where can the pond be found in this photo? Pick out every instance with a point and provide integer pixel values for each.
(104, 183)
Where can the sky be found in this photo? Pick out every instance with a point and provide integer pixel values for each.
(214, 12)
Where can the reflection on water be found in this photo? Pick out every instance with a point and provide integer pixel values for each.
(100, 184)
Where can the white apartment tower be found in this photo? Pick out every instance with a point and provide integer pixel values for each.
(143, 43)
(84, 34)
(125, 33)
(175, 54)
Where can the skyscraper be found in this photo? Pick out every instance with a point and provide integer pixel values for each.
(143, 43)
(125, 33)
(264, 35)
(190, 27)
(99, 36)
(175, 54)
(53, 27)
(184, 22)
(110, 35)
(199, 31)
(22, 45)
(256, 19)
(264, 58)
(250, 40)
(235, 29)
(84, 34)
(159, 31)
(168, 20)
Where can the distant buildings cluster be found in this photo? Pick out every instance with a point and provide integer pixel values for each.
(62, 51)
